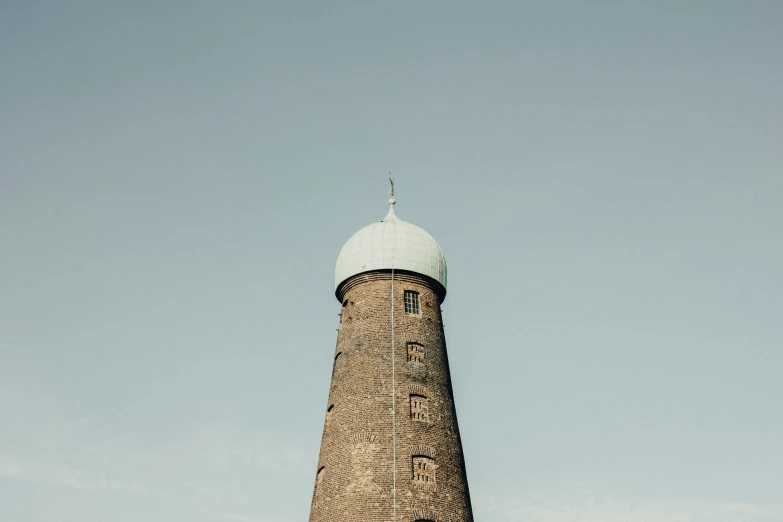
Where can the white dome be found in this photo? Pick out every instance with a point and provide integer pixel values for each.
(392, 243)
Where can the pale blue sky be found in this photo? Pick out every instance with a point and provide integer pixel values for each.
(605, 179)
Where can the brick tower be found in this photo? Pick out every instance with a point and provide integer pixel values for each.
(391, 449)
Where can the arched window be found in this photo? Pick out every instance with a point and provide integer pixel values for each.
(419, 408)
(415, 352)
(319, 478)
(423, 471)
(334, 365)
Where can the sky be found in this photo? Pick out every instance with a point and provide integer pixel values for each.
(177, 179)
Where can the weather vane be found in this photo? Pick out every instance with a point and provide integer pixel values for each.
(391, 185)
(392, 201)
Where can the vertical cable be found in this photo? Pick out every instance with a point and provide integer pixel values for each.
(394, 404)
(393, 220)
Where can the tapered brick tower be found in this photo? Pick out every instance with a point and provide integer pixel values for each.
(391, 450)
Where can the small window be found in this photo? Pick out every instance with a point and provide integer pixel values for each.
(419, 409)
(329, 414)
(319, 478)
(412, 302)
(334, 365)
(423, 471)
(342, 310)
(415, 352)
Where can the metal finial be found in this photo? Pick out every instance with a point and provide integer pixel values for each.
(392, 201)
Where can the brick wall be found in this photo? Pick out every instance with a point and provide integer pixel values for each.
(355, 480)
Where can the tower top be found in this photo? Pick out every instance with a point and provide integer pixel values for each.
(391, 244)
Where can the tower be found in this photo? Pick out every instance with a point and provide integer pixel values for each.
(391, 449)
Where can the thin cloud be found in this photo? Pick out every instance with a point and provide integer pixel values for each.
(51, 474)
(579, 503)
(239, 517)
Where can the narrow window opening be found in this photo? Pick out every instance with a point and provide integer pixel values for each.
(329, 414)
(319, 478)
(343, 310)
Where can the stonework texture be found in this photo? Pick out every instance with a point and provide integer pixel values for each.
(355, 478)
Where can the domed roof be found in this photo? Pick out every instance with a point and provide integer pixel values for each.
(392, 243)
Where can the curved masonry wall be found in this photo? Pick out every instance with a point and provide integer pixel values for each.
(354, 481)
